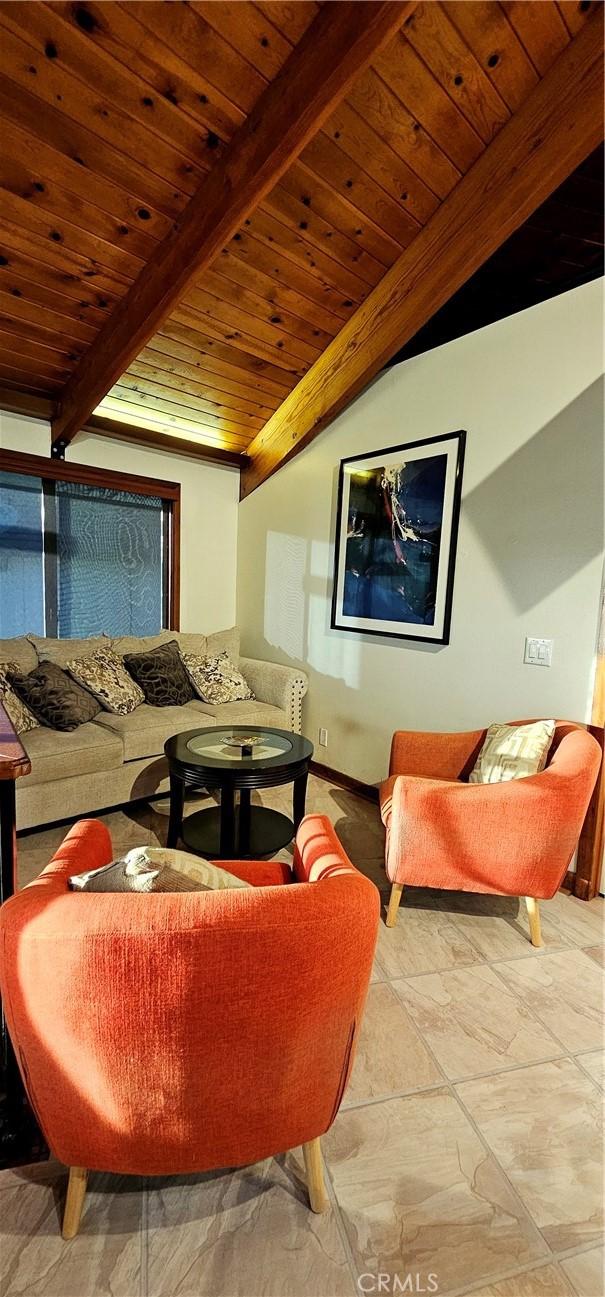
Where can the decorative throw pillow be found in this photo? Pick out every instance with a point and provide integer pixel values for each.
(54, 699)
(161, 675)
(512, 752)
(217, 679)
(103, 673)
(156, 869)
(17, 711)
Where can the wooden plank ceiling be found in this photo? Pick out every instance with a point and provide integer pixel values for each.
(560, 247)
(113, 115)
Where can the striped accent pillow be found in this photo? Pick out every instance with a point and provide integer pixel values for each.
(512, 752)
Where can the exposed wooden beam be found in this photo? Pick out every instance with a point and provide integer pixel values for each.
(114, 428)
(338, 45)
(35, 407)
(558, 125)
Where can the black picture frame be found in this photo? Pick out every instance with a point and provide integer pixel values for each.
(446, 560)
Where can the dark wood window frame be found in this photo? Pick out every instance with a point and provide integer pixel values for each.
(55, 470)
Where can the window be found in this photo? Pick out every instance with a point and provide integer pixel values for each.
(81, 556)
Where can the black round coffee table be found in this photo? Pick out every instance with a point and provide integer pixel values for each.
(205, 758)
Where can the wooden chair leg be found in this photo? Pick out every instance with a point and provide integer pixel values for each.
(318, 1197)
(393, 905)
(533, 910)
(76, 1190)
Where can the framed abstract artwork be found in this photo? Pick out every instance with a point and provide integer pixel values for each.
(396, 534)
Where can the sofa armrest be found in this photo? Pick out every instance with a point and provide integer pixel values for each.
(277, 685)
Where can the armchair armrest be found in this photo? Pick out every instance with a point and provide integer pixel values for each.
(433, 755)
(318, 853)
(87, 846)
(513, 838)
(277, 685)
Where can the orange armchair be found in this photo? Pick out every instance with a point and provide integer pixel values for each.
(515, 838)
(164, 1034)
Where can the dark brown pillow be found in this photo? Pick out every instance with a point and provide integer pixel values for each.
(54, 699)
(161, 675)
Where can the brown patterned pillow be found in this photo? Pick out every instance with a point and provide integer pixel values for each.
(16, 710)
(217, 679)
(103, 673)
(161, 675)
(54, 699)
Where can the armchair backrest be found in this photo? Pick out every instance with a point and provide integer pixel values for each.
(169, 1033)
(452, 756)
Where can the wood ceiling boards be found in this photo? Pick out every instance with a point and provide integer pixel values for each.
(115, 115)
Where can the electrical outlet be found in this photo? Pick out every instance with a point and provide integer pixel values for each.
(538, 652)
(323, 738)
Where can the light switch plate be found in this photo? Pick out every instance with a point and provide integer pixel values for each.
(538, 652)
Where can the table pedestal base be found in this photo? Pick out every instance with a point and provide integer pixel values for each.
(265, 832)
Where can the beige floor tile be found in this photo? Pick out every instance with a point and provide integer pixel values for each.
(565, 990)
(587, 1272)
(246, 1233)
(378, 973)
(390, 1054)
(373, 868)
(545, 1281)
(594, 1064)
(30, 864)
(498, 926)
(360, 839)
(19, 1177)
(419, 1194)
(421, 941)
(544, 1125)
(597, 953)
(102, 1261)
(473, 1023)
(44, 839)
(580, 922)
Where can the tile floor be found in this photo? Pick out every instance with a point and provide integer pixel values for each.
(466, 1157)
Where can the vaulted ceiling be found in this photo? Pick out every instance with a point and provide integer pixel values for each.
(196, 199)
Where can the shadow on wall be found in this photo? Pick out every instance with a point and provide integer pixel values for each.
(540, 514)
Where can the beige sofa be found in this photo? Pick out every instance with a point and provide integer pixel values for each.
(116, 759)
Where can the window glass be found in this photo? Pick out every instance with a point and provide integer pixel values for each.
(109, 561)
(21, 556)
(76, 560)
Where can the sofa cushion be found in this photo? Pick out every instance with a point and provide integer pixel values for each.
(161, 675)
(141, 643)
(244, 713)
(56, 754)
(61, 651)
(19, 650)
(54, 698)
(222, 641)
(188, 642)
(145, 731)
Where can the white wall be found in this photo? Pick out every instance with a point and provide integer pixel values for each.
(530, 548)
(209, 504)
